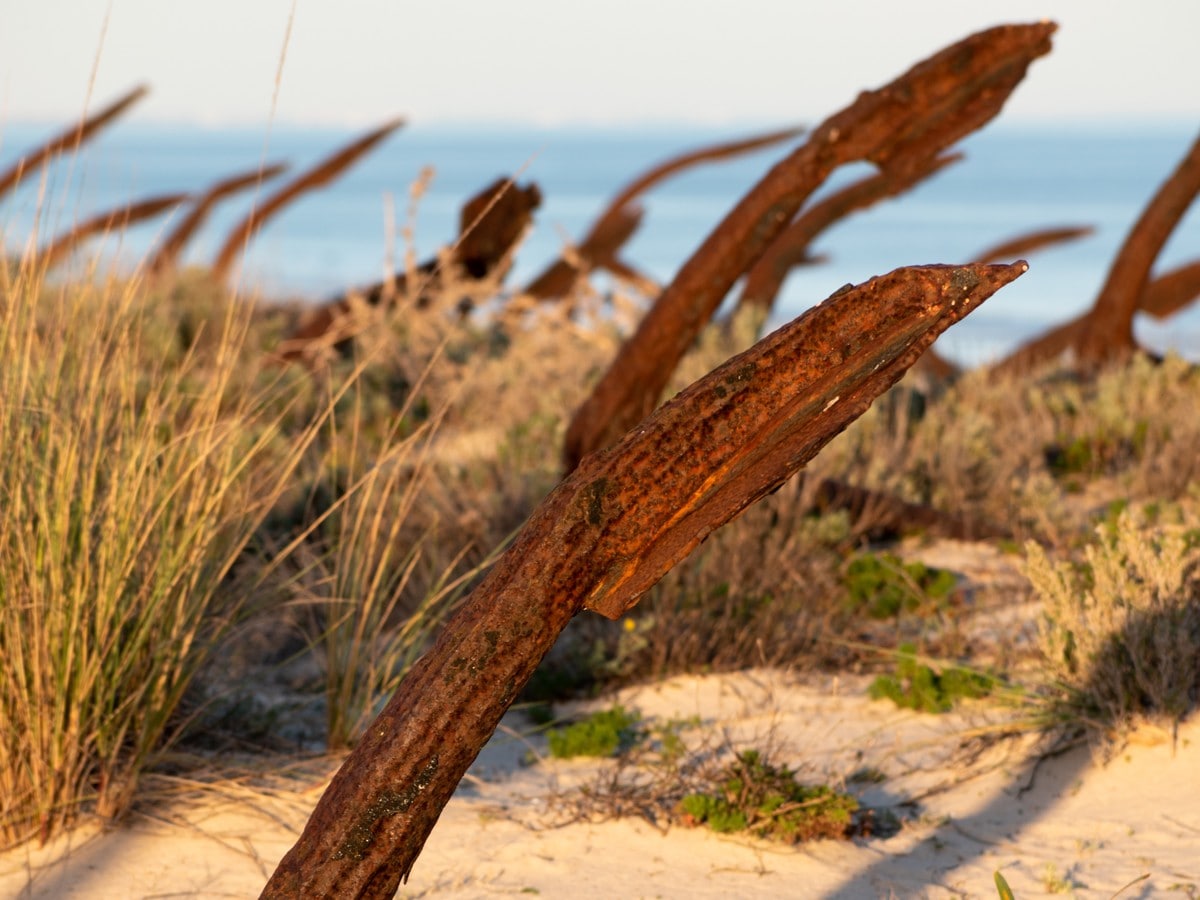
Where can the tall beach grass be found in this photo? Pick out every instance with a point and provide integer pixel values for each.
(130, 482)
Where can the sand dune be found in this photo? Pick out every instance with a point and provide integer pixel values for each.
(1068, 824)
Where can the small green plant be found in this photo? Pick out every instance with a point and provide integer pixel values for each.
(1090, 454)
(918, 686)
(756, 796)
(884, 585)
(1002, 887)
(604, 733)
(1056, 882)
(669, 737)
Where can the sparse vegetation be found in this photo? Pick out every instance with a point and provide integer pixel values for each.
(884, 586)
(918, 685)
(185, 521)
(764, 799)
(603, 733)
(133, 481)
(387, 504)
(675, 771)
(1121, 625)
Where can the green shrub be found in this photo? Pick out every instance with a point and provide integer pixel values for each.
(757, 796)
(918, 686)
(604, 733)
(884, 585)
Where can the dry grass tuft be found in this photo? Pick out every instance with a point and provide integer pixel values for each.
(1121, 626)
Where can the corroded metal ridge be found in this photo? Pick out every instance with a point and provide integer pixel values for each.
(897, 127)
(1162, 297)
(740, 432)
(1172, 291)
(71, 137)
(167, 255)
(613, 227)
(599, 250)
(321, 174)
(604, 536)
(1108, 332)
(766, 277)
(102, 223)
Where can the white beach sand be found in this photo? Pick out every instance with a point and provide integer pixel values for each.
(1070, 824)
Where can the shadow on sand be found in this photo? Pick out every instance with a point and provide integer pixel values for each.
(985, 840)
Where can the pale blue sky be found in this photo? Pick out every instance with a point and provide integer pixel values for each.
(357, 62)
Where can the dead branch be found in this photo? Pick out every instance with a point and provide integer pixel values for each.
(766, 277)
(1162, 297)
(613, 227)
(1172, 291)
(1022, 245)
(599, 250)
(1107, 334)
(490, 225)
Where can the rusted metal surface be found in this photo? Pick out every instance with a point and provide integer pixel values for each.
(1162, 297)
(490, 225)
(1172, 291)
(167, 256)
(897, 127)
(613, 227)
(1023, 245)
(876, 515)
(602, 538)
(766, 277)
(321, 174)
(1107, 334)
(599, 250)
(1045, 347)
(103, 223)
(69, 139)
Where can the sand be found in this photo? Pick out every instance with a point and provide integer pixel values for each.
(1069, 824)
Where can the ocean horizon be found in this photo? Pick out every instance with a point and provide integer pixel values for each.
(1015, 178)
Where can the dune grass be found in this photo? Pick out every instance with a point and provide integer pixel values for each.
(371, 594)
(163, 481)
(130, 488)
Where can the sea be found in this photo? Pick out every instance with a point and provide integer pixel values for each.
(1015, 178)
